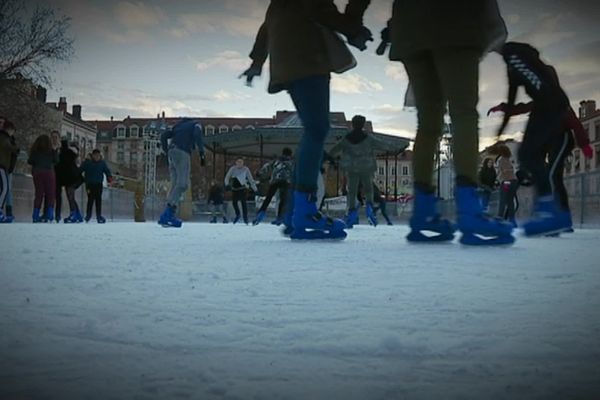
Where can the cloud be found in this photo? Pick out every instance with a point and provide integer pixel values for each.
(353, 84)
(229, 59)
(223, 95)
(216, 22)
(138, 15)
(396, 72)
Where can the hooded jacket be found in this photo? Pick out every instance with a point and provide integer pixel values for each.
(297, 35)
(185, 135)
(358, 152)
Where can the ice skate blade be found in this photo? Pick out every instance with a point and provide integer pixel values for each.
(474, 239)
(317, 235)
(426, 236)
(551, 233)
(171, 225)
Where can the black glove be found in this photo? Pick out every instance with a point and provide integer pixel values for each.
(202, 160)
(250, 73)
(385, 41)
(361, 38)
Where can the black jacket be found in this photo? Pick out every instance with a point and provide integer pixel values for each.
(487, 177)
(67, 171)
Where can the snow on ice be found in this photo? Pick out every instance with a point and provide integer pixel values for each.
(135, 311)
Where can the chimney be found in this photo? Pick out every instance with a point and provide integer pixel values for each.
(163, 115)
(77, 111)
(62, 104)
(111, 118)
(586, 108)
(40, 94)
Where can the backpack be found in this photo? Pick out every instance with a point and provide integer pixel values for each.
(282, 170)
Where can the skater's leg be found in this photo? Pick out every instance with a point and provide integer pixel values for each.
(244, 200)
(235, 199)
(559, 152)
(270, 193)
(90, 202)
(283, 188)
(179, 168)
(353, 181)
(4, 187)
(98, 199)
(430, 112)
(38, 185)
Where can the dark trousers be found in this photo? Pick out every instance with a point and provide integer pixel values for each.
(543, 129)
(44, 182)
(560, 149)
(508, 199)
(282, 187)
(94, 193)
(3, 186)
(70, 190)
(311, 99)
(240, 196)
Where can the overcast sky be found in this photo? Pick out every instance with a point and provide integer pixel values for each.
(183, 56)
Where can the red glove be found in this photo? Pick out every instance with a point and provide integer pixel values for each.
(109, 180)
(587, 150)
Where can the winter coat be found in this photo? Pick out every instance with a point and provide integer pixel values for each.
(43, 161)
(299, 38)
(186, 136)
(8, 150)
(281, 169)
(216, 195)
(94, 171)
(487, 177)
(506, 171)
(67, 171)
(358, 152)
(239, 178)
(433, 24)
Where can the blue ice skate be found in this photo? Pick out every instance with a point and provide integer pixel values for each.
(167, 218)
(371, 216)
(259, 218)
(547, 219)
(35, 216)
(310, 224)
(426, 223)
(101, 220)
(225, 220)
(49, 217)
(351, 219)
(5, 219)
(213, 220)
(236, 219)
(477, 227)
(74, 218)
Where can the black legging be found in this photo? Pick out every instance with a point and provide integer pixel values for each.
(559, 151)
(71, 198)
(237, 196)
(94, 192)
(282, 186)
(508, 199)
(543, 129)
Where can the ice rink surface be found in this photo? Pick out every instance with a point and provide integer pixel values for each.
(136, 311)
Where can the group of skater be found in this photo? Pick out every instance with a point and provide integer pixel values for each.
(440, 45)
(55, 165)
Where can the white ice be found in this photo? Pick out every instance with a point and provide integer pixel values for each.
(136, 311)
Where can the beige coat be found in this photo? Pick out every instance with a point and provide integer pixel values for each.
(297, 35)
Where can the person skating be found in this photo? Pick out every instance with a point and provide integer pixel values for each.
(557, 151)
(8, 152)
(184, 137)
(301, 41)
(68, 174)
(43, 158)
(216, 202)
(441, 45)
(509, 184)
(487, 182)
(358, 161)
(94, 171)
(549, 110)
(238, 179)
(281, 176)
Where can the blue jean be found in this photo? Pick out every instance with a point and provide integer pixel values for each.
(311, 99)
(179, 171)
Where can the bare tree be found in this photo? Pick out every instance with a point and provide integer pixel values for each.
(31, 43)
